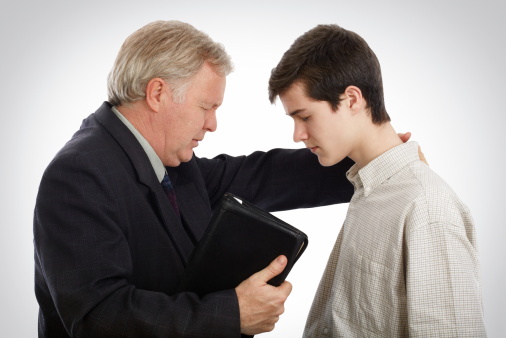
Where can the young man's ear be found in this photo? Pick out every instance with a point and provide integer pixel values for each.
(154, 92)
(356, 101)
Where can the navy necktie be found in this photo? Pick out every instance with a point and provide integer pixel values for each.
(169, 191)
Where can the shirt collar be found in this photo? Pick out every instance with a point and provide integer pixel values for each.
(383, 167)
(157, 164)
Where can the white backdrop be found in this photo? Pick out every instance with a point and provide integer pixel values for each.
(443, 66)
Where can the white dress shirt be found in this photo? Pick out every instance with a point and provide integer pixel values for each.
(155, 161)
(405, 263)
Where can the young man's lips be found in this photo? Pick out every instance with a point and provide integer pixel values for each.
(313, 149)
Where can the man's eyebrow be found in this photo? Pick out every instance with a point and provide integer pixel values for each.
(295, 112)
(207, 104)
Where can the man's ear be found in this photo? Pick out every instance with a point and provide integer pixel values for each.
(154, 93)
(355, 100)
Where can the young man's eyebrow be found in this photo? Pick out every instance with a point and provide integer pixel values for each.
(295, 112)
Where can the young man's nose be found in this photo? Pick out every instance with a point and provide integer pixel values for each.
(299, 134)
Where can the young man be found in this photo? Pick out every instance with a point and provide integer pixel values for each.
(405, 262)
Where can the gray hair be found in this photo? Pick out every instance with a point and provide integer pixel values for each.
(171, 50)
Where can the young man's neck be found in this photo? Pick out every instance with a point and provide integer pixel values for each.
(374, 142)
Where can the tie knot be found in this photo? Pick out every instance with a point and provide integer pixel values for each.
(166, 182)
(169, 191)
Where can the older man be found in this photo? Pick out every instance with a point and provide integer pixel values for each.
(123, 204)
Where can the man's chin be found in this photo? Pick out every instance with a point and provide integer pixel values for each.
(325, 162)
(186, 157)
(175, 162)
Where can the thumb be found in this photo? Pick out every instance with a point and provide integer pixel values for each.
(275, 268)
(405, 136)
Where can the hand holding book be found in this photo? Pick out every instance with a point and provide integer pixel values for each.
(240, 240)
(247, 249)
(261, 304)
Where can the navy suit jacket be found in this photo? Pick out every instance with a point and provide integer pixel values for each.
(109, 249)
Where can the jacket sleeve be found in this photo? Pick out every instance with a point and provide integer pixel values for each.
(84, 266)
(277, 180)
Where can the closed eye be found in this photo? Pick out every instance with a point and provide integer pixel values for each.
(208, 107)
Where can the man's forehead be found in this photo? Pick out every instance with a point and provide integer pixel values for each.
(294, 99)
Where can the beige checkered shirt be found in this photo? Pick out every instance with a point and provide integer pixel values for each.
(405, 263)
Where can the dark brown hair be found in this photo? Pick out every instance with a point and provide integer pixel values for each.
(326, 60)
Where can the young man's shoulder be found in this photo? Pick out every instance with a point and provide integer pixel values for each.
(435, 197)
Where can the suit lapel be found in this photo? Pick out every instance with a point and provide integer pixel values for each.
(192, 212)
(192, 195)
(147, 177)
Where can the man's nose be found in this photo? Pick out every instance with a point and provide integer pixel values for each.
(299, 133)
(211, 122)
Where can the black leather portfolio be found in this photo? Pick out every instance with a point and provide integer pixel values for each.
(241, 239)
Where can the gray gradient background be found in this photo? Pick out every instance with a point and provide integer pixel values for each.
(444, 71)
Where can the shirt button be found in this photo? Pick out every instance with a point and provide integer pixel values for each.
(326, 331)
